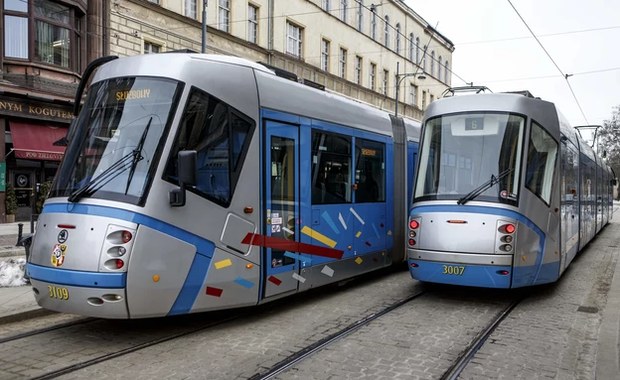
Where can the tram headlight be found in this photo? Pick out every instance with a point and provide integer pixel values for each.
(506, 247)
(412, 234)
(506, 239)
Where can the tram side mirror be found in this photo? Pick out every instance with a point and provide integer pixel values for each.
(186, 166)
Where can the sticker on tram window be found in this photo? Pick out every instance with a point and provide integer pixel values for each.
(453, 270)
(57, 292)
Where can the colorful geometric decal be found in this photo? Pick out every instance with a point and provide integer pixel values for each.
(304, 259)
(359, 260)
(223, 264)
(243, 282)
(376, 230)
(357, 216)
(358, 234)
(318, 236)
(299, 278)
(330, 222)
(288, 231)
(274, 280)
(327, 271)
(341, 219)
(215, 292)
(293, 246)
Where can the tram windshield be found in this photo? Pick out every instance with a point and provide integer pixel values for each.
(117, 139)
(471, 156)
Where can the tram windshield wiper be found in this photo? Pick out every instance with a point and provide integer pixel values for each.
(137, 157)
(128, 161)
(484, 187)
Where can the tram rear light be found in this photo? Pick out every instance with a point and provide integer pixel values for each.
(413, 224)
(126, 236)
(119, 263)
(414, 265)
(503, 272)
(411, 242)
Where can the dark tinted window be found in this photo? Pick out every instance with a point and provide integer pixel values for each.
(331, 168)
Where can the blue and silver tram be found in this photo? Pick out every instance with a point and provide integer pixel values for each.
(505, 195)
(195, 182)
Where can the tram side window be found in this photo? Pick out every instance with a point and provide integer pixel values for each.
(331, 168)
(220, 136)
(541, 157)
(369, 171)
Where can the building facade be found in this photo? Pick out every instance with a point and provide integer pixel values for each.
(356, 48)
(45, 46)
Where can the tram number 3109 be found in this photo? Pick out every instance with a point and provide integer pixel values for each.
(454, 270)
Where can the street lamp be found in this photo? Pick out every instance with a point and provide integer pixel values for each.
(399, 78)
(204, 26)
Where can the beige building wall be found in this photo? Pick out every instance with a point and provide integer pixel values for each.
(163, 25)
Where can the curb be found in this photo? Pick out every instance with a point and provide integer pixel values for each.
(608, 353)
(21, 316)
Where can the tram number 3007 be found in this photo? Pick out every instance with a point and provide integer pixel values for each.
(58, 292)
(455, 270)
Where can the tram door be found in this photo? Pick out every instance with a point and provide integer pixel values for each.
(281, 208)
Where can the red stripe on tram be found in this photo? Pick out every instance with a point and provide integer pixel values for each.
(287, 245)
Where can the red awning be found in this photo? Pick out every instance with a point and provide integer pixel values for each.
(36, 141)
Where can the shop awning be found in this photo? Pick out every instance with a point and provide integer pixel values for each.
(36, 141)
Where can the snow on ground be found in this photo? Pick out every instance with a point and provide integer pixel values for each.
(12, 272)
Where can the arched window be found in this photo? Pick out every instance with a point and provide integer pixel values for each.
(386, 31)
(398, 38)
(373, 24)
(439, 68)
(360, 15)
(411, 47)
(447, 73)
(417, 50)
(424, 59)
(433, 63)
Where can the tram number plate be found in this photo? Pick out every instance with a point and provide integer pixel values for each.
(454, 270)
(57, 292)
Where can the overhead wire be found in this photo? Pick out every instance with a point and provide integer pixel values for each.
(566, 76)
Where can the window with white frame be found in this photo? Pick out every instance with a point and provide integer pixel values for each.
(413, 94)
(373, 24)
(326, 5)
(360, 15)
(423, 100)
(252, 23)
(398, 38)
(386, 31)
(343, 10)
(386, 75)
(411, 47)
(446, 74)
(358, 69)
(325, 54)
(372, 77)
(190, 8)
(342, 63)
(154, 1)
(417, 50)
(439, 68)
(424, 59)
(433, 63)
(293, 39)
(223, 15)
(151, 47)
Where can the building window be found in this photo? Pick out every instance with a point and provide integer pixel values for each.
(417, 50)
(397, 38)
(386, 31)
(223, 15)
(252, 23)
(373, 24)
(423, 100)
(360, 15)
(343, 10)
(439, 68)
(424, 59)
(386, 75)
(411, 47)
(413, 94)
(433, 63)
(342, 60)
(326, 5)
(190, 8)
(358, 70)
(56, 33)
(293, 39)
(151, 48)
(372, 77)
(446, 76)
(154, 1)
(324, 55)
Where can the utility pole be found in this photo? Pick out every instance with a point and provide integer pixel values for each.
(204, 26)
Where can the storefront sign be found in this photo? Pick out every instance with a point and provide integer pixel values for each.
(39, 110)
